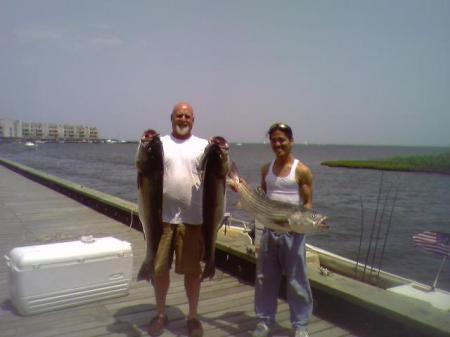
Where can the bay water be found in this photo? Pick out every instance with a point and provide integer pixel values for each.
(372, 214)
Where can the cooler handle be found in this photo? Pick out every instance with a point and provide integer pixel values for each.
(87, 239)
(116, 276)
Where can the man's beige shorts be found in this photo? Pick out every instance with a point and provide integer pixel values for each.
(187, 243)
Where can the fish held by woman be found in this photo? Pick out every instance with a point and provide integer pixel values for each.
(215, 167)
(150, 166)
(277, 215)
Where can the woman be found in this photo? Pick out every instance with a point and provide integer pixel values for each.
(285, 179)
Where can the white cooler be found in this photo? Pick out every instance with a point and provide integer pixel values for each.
(58, 275)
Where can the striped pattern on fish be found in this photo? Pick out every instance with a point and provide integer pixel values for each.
(278, 215)
(150, 167)
(215, 166)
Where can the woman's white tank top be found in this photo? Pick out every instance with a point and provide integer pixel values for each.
(283, 188)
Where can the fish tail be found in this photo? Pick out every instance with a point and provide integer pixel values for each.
(146, 272)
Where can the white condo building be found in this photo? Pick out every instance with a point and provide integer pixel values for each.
(30, 130)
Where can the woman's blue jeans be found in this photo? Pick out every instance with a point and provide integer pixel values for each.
(282, 253)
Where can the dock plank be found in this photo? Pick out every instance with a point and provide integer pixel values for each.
(32, 214)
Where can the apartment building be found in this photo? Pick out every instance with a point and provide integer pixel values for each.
(52, 131)
(7, 128)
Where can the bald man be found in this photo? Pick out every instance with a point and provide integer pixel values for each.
(182, 219)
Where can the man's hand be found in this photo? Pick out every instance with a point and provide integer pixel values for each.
(233, 183)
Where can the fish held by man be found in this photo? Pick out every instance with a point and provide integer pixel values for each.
(150, 167)
(215, 167)
(277, 215)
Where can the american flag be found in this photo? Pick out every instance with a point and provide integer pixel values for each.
(434, 242)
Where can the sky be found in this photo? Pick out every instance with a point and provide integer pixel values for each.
(338, 72)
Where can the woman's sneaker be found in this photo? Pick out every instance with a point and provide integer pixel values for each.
(261, 330)
(301, 333)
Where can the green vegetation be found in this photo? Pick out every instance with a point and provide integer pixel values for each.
(439, 163)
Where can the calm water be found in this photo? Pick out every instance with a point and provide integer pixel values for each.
(422, 202)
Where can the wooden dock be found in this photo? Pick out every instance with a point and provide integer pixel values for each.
(32, 214)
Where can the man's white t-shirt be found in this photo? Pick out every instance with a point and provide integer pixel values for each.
(182, 187)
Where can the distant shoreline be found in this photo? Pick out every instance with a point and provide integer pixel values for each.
(52, 140)
(234, 143)
(439, 163)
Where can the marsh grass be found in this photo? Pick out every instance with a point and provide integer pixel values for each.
(439, 163)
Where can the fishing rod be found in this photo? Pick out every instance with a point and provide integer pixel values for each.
(361, 235)
(388, 229)
(380, 225)
(373, 226)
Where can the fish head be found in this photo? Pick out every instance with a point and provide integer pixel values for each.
(148, 137)
(321, 222)
(308, 218)
(150, 151)
(217, 154)
(220, 141)
(220, 146)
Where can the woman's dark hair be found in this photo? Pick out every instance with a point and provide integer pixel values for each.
(283, 128)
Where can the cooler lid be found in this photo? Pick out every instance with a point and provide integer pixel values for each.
(85, 249)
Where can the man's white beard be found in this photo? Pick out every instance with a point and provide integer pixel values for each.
(182, 130)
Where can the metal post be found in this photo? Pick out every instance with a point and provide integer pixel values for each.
(439, 272)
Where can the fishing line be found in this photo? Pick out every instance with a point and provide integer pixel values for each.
(380, 225)
(388, 227)
(380, 188)
(360, 236)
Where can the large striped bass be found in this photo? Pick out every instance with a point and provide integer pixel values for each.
(215, 166)
(150, 167)
(277, 215)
